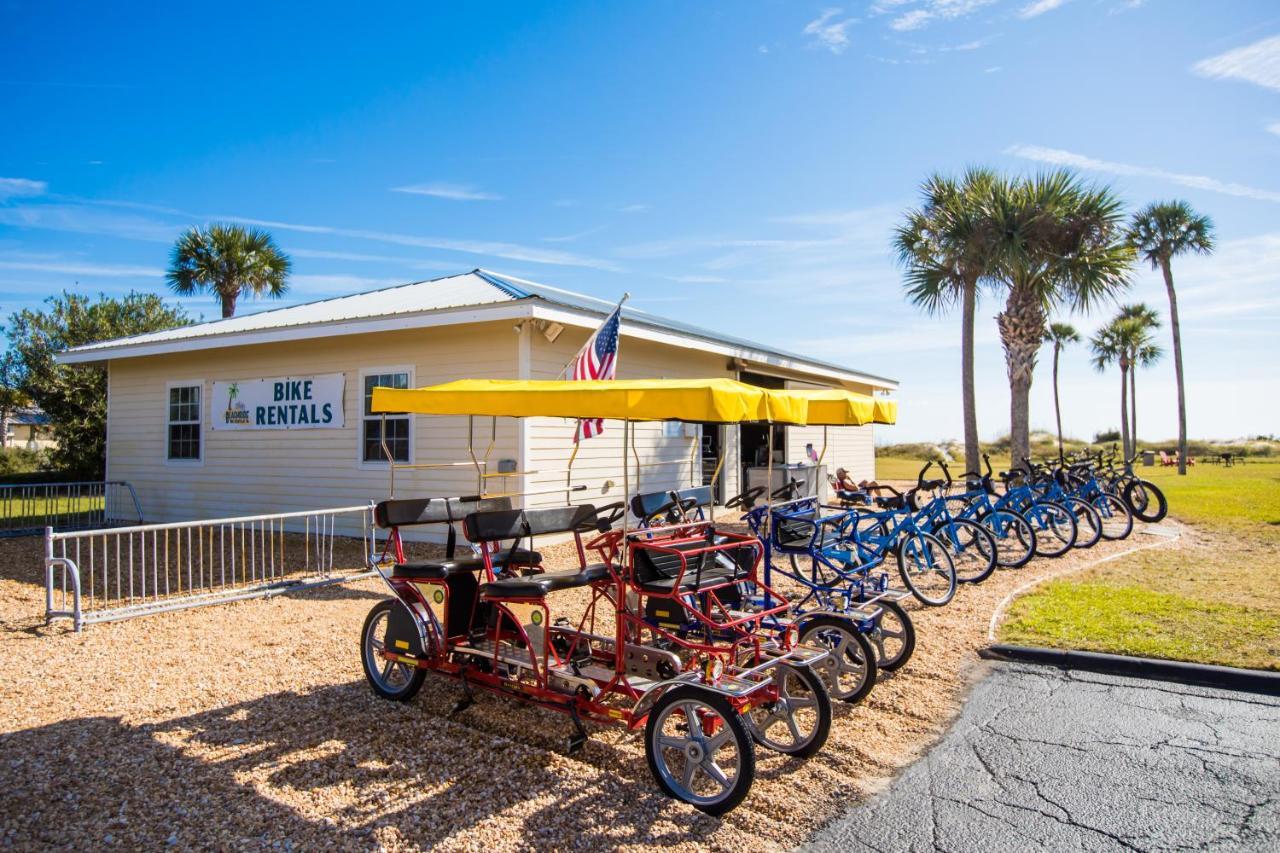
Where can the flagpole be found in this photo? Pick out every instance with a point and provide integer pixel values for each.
(574, 360)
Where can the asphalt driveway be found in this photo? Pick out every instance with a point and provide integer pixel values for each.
(1041, 758)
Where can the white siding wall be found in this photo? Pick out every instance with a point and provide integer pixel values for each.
(262, 471)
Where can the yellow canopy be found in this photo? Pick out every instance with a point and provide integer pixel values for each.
(833, 406)
(695, 400)
(886, 411)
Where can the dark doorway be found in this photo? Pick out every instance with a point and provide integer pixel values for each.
(755, 437)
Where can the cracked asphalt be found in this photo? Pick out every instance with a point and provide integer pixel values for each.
(1042, 758)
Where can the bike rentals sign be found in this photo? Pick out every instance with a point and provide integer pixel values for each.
(290, 402)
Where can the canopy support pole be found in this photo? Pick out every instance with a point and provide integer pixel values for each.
(715, 475)
(386, 451)
(626, 481)
(568, 473)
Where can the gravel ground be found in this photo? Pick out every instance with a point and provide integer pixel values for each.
(249, 725)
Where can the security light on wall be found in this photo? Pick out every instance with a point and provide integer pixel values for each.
(551, 331)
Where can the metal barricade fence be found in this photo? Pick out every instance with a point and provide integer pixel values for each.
(120, 572)
(27, 509)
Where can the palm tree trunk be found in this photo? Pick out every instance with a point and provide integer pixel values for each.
(1057, 407)
(1133, 408)
(228, 304)
(1021, 327)
(969, 403)
(1124, 411)
(1177, 365)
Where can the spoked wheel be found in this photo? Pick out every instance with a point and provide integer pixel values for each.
(1015, 538)
(1117, 521)
(1088, 522)
(927, 569)
(972, 548)
(1146, 501)
(1055, 528)
(856, 669)
(798, 721)
(389, 679)
(894, 637)
(699, 749)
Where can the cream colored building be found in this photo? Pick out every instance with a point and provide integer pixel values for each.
(198, 433)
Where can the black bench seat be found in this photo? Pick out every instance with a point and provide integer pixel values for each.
(438, 570)
(536, 586)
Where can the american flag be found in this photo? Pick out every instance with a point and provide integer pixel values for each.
(598, 359)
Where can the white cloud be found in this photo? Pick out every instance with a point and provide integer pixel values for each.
(510, 251)
(83, 269)
(324, 254)
(453, 192)
(1255, 63)
(339, 283)
(14, 187)
(993, 69)
(913, 20)
(828, 32)
(635, 208)
(1274, 127)
(1039, 7)
(1058, 157)
(932, 10)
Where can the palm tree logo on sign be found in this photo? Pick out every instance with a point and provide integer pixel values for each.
(237, 412)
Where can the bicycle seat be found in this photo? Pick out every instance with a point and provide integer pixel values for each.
(438, 570)
(537, 586)
(892, 502)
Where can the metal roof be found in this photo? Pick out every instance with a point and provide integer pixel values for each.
(475, 289)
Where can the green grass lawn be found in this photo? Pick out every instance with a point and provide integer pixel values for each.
(36, 512)
(1211, 598)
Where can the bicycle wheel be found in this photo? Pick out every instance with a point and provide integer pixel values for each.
(1055, 528)
(1015, 538)
(927, 569)
(894, 637)
(856, 668)
(1117, 520)
(972, 548)
(1146, 501)
(1088, 522)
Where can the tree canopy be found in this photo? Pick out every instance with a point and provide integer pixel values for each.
(75, 396)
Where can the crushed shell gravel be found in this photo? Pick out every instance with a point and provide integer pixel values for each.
(250, 726)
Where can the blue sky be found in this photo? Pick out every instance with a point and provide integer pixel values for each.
(737, 165)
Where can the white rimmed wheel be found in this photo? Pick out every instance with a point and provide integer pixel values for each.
(927, 569)
(389, 679)
(699, 749)
(855, 668)
(894, 636)
(798, 721)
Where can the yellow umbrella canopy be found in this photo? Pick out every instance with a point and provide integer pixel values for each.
(886, 411)
(834, 407)
(694, 400)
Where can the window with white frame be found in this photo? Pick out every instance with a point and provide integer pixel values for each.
(398, 435)
(184, 423)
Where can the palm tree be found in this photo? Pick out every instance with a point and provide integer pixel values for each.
(945, 248)
(1160, 232)
(1107, 350)
(1143, 353)
(1059, 245)
(228, 260)
(1059, 334)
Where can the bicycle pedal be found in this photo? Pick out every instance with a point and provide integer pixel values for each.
(576, 742)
